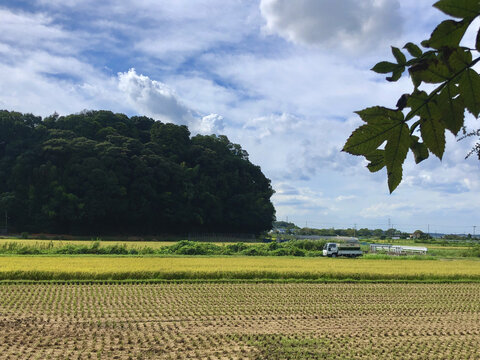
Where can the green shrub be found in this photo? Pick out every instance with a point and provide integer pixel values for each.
(253, 251)
(236, 248)
(474, 252)
(280, 252)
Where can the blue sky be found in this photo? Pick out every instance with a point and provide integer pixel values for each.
(282, 78)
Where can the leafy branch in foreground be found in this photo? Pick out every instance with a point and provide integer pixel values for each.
(388, 134)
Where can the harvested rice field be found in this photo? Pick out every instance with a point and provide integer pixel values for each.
(239, 321)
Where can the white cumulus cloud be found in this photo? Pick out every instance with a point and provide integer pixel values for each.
(351, 23)
(272, 124)
(159, 101)
(210, 124)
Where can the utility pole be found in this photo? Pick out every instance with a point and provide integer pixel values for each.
(389, 224)
(354, 230)
(474, 227)
(428, 227)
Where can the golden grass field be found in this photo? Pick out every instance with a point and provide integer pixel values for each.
(231, 267)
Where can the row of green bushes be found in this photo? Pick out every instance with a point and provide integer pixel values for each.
(185, 247)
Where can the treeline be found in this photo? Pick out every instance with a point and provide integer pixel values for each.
(363, 232)
(291, 228)
(103, 173)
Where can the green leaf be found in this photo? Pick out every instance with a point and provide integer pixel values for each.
(458, 59)
(459, 8)
(448, 33)
(477, 42)
(420, 150)
(384, 67)
(452, 109)
(367, 138)
(413, 49)
(422, 106)
(469, 87)
(430, 71)
(433, 135)
(395, 153)
(402, 102)
(379, 113)
(394, 177)
(377, 160)
(397, 74)
(401, 59)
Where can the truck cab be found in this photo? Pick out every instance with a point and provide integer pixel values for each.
(348, 249)
(330, 250)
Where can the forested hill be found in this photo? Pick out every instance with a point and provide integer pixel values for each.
(100, 172)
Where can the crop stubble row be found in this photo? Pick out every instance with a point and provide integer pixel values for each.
(231, 321)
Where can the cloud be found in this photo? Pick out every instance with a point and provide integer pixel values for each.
(153, 98)
(156, 99)
(284, 189)
(29, 30)
(432, 181)
(168, 30)
(289, 199)
(383, 209)
(345, 197)
(210, 124)
(264, 126)
(348, 23)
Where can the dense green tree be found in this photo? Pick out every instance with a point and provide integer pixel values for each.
(419, 234)
(364, 232)
(100, 172)
(388, 134)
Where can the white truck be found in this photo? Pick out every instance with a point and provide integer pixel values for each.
(342, 249)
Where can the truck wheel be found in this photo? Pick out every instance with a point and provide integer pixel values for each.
(334, 255)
